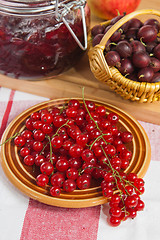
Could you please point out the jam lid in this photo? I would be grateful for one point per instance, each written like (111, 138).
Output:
(60, 8)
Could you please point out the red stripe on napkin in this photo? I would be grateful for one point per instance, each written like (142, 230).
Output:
(7, 112)
(55, 223)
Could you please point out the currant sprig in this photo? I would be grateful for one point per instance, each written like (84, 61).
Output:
(128, 201)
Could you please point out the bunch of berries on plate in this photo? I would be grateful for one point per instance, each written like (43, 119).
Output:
(77, 144)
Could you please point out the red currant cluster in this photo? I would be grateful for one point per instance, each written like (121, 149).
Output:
(134, 48)
(126, 201)
(77, 144)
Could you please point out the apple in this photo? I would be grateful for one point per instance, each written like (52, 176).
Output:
(108, 9)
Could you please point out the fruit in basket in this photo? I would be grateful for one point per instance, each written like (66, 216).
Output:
(113, 58)
(145, 74)
(147, 33)
(136, 54)
(107, 9)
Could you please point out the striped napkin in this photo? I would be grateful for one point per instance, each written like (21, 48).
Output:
(22, 218)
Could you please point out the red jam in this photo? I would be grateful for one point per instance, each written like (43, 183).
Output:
(37, 47)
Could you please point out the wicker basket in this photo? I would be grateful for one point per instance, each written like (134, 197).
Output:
(128, 89)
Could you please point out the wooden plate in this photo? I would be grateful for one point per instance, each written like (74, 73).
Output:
(23, 177)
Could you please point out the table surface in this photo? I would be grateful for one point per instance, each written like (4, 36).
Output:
(27, 219)
(69, 83)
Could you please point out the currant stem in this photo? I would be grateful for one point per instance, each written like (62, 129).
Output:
(50, 149)
(131, 184)
(114, 175)
(65, 124)
(44, 146)
(82, 171)
(89, 111)
(64, 106)
(9, 139)
(99, 137)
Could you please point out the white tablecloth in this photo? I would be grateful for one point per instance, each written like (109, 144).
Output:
(26, 219)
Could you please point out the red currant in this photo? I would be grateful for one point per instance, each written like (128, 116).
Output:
(24, 151)
(132, 213)
(29, 124)
(38, 135)
(101, 110)
(108, 177)
(75, 162)
(126, 137)
(132, 177)
(55, 191)
(19, 141)
(107, 192)
(79, 120)
(39, 159)
(57, 179)
(139, 182)
(57, 142)
(140, 205)
(46, 168)
(58, 120)
(115, 200)
(83, 182)
(42, 180)
(72, 173)
(131, 201)
(126, 154)
(114, 221)
(27, 134)
(110, 150)
(71, 112)
(55, 111)
(74, 103)
(89, 105)
(37, 124)
(67, 144)
(113, 118)
(82, 139)
(38, 146)
(75, 150)
(51, 158)
(87, 155)
(62, 164)
(47, 118)
(29, 160)
(115, 211)
(35, 116)
(69, 185)
(47, 128)
(73, 131)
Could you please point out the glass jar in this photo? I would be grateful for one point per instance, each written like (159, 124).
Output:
(41, 38)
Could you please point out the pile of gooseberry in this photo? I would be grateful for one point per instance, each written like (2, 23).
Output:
(134, 48)
(69, 147)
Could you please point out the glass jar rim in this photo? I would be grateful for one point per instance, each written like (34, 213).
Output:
(39, 7)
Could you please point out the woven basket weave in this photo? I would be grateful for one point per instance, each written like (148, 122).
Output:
(136, 91)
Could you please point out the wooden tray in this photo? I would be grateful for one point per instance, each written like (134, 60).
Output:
(24, 178)
(70, 83)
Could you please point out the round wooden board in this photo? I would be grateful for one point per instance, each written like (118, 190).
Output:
(23, 177)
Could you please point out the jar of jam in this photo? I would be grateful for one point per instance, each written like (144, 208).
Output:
(41, 38)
